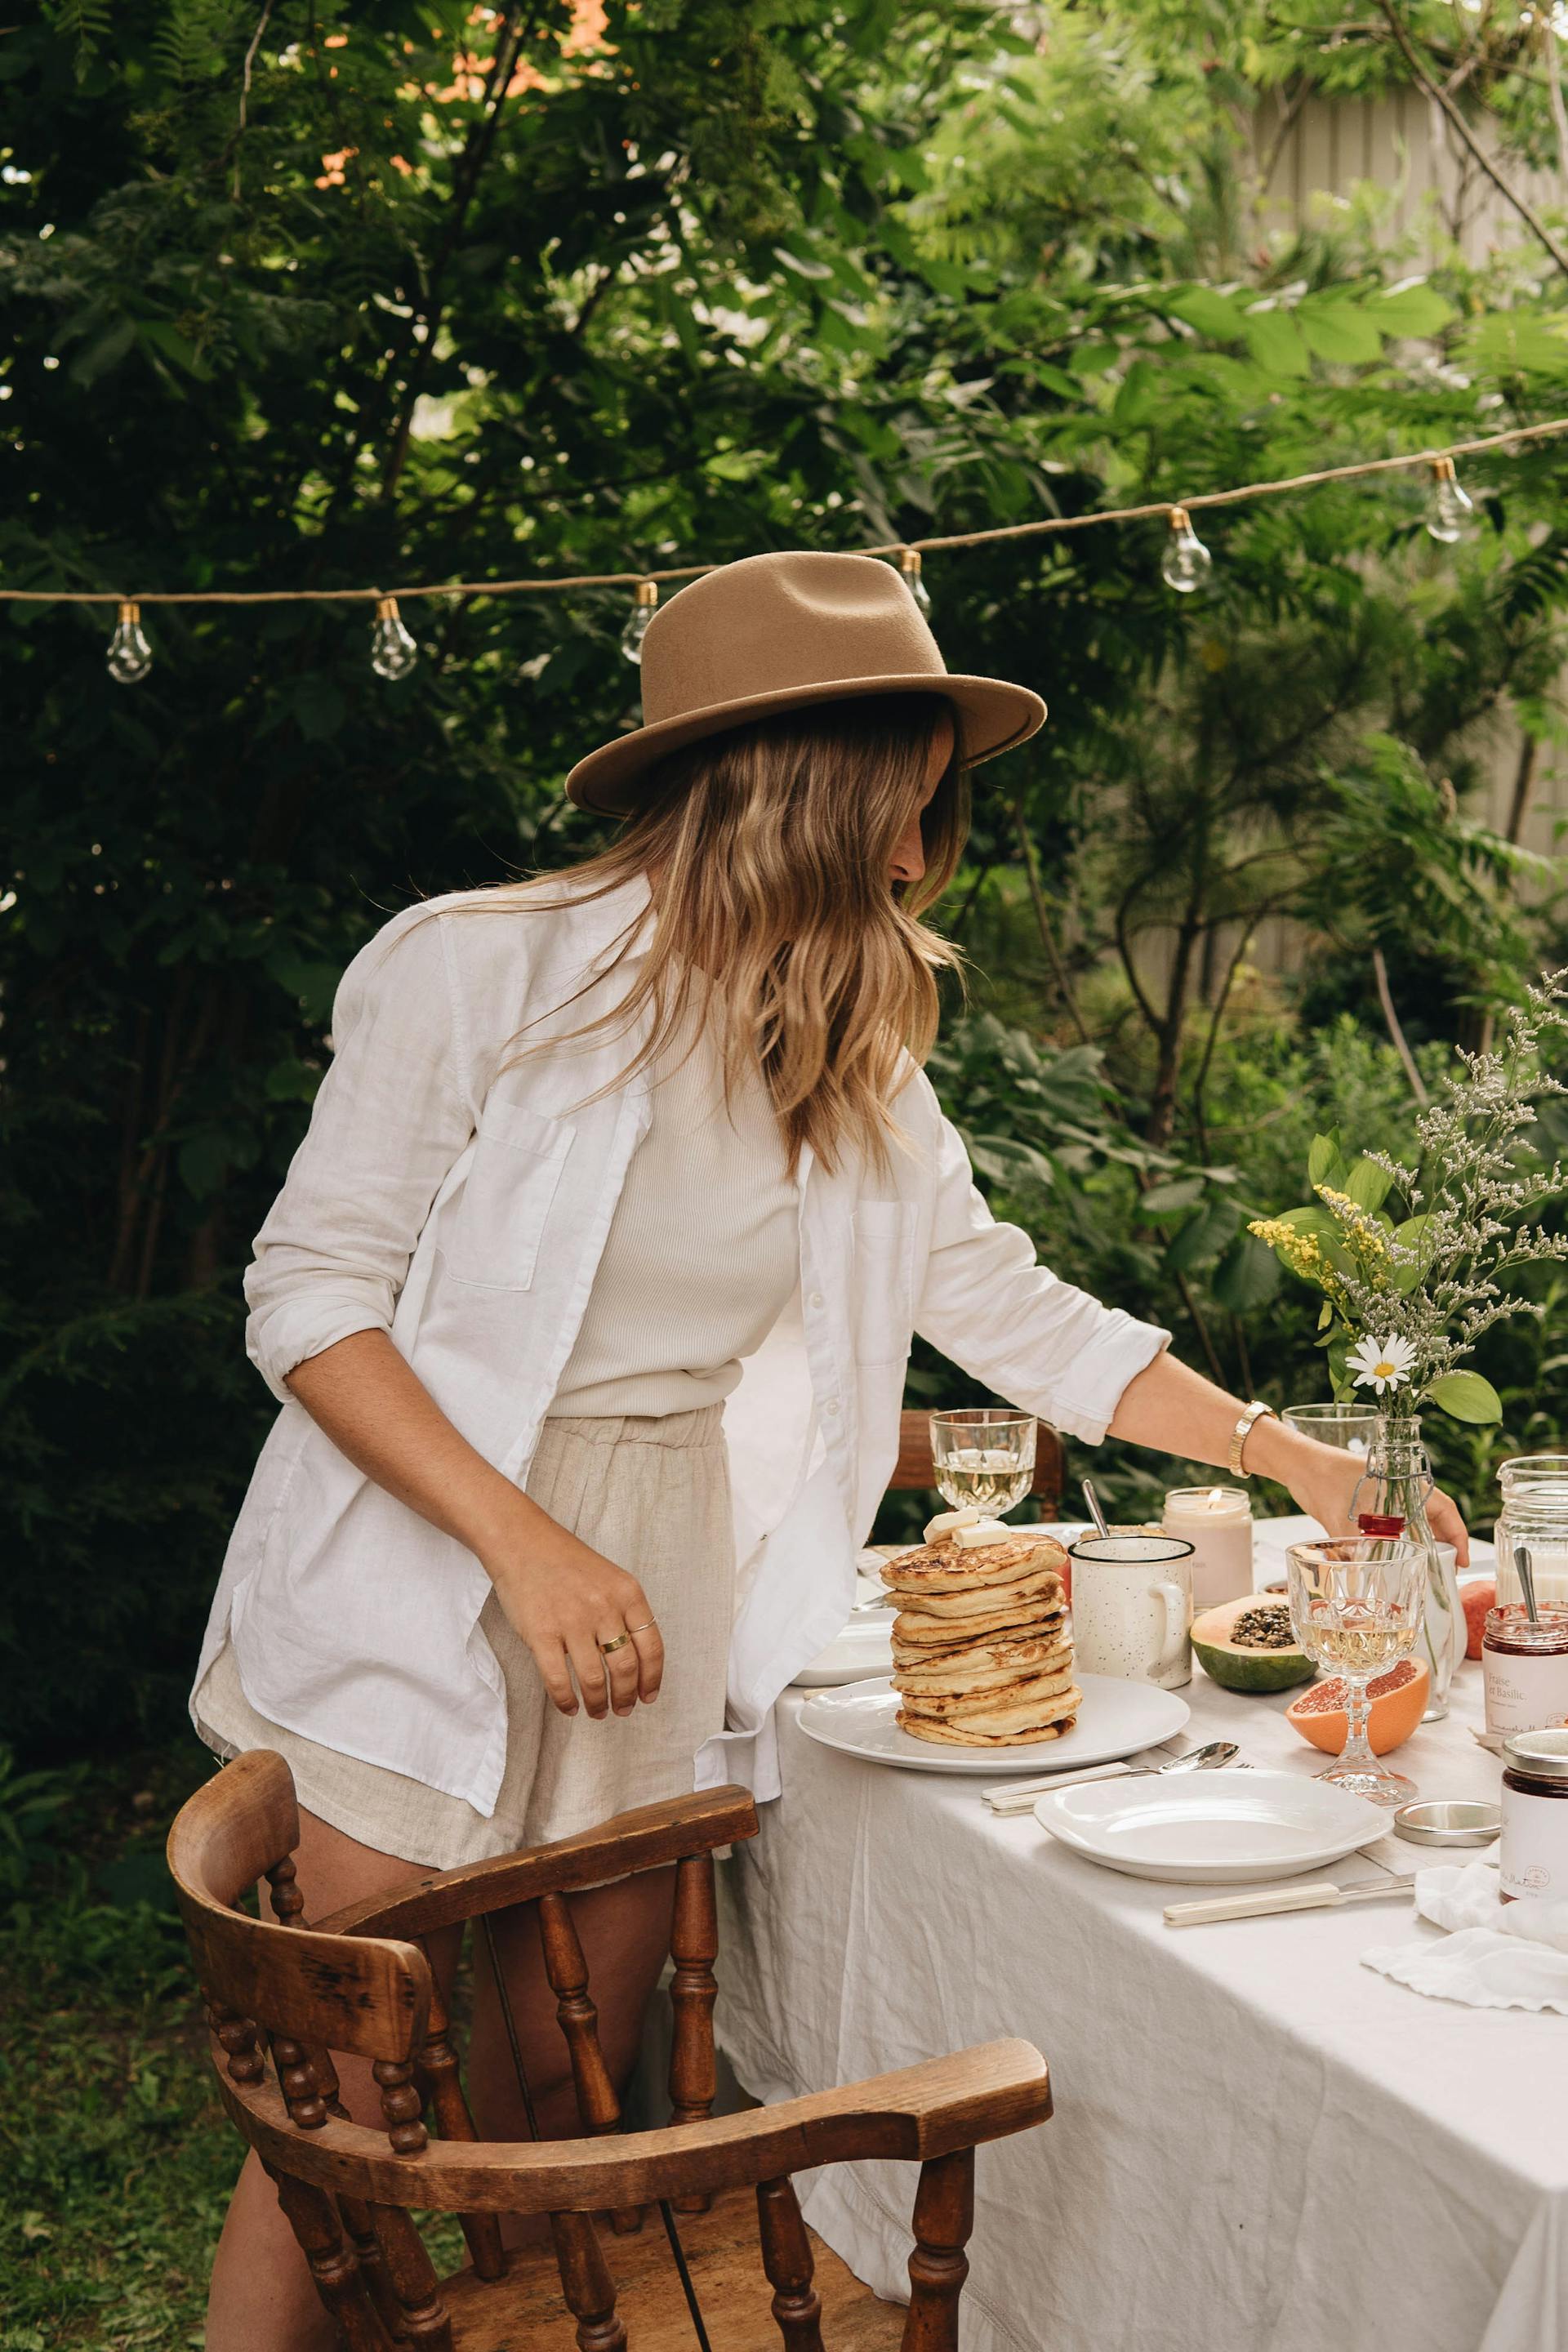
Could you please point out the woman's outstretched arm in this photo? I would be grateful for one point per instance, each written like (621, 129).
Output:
(1173, 1409)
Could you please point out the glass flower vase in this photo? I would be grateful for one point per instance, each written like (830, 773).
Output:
(1391, 1499)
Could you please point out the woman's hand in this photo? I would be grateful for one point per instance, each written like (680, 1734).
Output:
(1171, 1407)
(1322, 1479)
(565, 1601)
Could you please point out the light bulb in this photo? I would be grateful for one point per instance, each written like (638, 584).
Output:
(1186, 563)
(1451, 513)
(393, 652)
(129, 655)
(909, 565)
(641, 614)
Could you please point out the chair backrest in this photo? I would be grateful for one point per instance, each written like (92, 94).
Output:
(353, 1983)
(916, 1472)
(302, 1992)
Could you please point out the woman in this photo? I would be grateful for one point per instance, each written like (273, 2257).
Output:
(586, 1150)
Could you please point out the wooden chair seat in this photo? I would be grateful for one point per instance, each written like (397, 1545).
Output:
(526, 2311)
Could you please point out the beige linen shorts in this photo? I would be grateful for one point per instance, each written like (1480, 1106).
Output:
(651, 1493)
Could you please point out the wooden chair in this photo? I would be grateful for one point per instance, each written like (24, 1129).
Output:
(916, 1472)
(360, 1982)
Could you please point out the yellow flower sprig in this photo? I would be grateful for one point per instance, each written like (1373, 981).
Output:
(1367, 1237)
(1304, 1254)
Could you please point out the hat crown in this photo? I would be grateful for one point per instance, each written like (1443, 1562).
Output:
(772, 624)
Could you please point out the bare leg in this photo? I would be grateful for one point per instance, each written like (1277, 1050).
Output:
(261, 2297)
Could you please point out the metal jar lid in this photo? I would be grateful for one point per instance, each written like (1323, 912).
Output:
(1447, 1821)
(1539, 1755)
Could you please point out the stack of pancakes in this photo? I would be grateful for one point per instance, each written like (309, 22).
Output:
(982, 1654)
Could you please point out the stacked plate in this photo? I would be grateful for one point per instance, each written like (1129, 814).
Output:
(1117, 1718)
(1216, 1829)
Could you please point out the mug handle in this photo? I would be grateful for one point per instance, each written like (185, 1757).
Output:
(1174, 1602)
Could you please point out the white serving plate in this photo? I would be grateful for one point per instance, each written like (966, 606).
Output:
(864, 1647)
(1116, 1719)
(1212, 1828)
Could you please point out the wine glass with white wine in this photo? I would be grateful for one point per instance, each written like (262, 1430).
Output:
(1358, 1603)
(984, 1456)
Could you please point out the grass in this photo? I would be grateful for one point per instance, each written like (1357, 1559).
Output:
(117, 2158)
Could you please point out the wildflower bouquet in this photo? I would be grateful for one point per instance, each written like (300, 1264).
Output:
(1411, 1261)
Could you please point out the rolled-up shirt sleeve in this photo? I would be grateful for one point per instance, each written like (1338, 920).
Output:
(391, 1117)
(985, 1299)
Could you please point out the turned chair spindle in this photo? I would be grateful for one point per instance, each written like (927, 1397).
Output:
(566, 1971)
(454, 2120)
(694, 1947)
(944, 2216)
(786, 2258)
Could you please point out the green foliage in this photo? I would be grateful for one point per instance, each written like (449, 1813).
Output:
(1423, 1290)
(333, 298)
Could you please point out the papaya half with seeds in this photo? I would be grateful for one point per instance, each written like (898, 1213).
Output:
(1250, 1644)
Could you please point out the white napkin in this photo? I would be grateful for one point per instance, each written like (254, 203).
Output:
(1495, 1955)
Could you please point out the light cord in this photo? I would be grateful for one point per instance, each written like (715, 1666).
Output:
(1044, 526)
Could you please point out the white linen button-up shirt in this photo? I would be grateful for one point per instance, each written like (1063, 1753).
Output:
(454, 1193)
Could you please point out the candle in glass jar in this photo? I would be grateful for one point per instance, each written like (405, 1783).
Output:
(1217, 1522)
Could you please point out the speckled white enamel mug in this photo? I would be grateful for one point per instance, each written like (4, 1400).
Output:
(1133, 1608)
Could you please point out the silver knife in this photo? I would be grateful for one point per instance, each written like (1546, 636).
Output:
(1018, 1796)
(1266, 1899)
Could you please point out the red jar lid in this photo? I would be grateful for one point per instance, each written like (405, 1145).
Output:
(1380, 1523)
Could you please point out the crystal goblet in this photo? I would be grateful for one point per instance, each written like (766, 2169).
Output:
(983, 1457)
(1358, 1604)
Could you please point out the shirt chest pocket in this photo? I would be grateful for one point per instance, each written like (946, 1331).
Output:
(506, 1199)
(884, 1280)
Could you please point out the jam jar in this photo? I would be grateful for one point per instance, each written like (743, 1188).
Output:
(1534, 1856)
(1525, 1665)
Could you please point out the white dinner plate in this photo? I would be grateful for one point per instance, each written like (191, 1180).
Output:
(1209, 1828)
(864, 1647)
(1116, 1719)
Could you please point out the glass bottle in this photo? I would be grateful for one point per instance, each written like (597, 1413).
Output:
(1392, 1495)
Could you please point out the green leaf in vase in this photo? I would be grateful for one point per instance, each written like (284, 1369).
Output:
(1325, 1163)
(1467, 1396)
(1368, 1185)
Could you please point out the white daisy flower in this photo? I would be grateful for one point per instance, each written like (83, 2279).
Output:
(1381, 1363)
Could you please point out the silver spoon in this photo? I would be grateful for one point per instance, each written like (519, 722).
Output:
(1095, 1513)
(1016, 1797)
(1202, 1759)
(1526, 1568)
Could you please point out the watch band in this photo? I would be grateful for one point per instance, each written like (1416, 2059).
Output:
(1241, 1433)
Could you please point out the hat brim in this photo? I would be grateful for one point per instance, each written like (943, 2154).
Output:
(994, 715)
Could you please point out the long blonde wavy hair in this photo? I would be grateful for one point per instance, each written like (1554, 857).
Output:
(767, 851)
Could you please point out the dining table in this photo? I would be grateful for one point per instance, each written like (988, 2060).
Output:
(1258, 2144)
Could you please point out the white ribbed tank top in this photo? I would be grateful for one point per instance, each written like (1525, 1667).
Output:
(702, 1252)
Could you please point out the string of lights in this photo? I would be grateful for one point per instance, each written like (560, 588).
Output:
(1185, 566)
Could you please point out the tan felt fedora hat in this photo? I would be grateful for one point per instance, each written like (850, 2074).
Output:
(773, 632)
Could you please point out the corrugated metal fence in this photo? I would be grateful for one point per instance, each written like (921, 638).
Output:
(1438, 199)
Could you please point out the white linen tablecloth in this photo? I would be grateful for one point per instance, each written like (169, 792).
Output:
(1259, 2146)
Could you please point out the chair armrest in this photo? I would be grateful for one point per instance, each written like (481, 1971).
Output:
(981, 2093)
(639, 1840)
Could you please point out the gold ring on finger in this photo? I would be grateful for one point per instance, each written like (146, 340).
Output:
(642, 1629)
(618, 1643)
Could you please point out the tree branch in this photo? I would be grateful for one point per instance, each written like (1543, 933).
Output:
(1510, 196)
(1042, 917)
(1401, 1043)
(509, 40)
